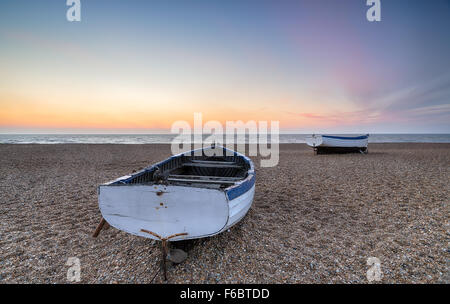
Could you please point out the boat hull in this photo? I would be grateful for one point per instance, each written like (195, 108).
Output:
(338, 142)
(239, 207)
(166, 209)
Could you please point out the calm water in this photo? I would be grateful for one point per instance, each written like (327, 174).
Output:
(167, 138)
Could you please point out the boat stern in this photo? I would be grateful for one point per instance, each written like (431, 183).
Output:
(314, 140)
(164, 210)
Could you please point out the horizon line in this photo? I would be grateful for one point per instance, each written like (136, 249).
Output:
(246, 133)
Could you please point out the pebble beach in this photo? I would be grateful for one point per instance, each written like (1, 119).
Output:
(314, 218)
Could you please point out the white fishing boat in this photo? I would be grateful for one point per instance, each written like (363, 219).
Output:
(195, 194)
(339, 144)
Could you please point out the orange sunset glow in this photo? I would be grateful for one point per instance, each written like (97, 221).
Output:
(311, 67)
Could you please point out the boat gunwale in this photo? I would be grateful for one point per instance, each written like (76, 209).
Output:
(346, 138)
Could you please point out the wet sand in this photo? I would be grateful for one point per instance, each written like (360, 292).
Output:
(314, 219)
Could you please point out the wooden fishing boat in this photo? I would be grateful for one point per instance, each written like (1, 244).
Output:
(195, 194)
(338, 144)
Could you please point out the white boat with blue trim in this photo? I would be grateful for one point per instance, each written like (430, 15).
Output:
(331, 143)
(191, 195)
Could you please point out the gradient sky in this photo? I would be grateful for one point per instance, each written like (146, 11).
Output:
(316, 66)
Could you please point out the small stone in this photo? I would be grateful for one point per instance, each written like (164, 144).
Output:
(177, 256)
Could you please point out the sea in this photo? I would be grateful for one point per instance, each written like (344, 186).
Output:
(168, 138)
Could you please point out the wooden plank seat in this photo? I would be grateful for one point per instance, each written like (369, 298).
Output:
(201, 177)
(212, 164)
(172, 179)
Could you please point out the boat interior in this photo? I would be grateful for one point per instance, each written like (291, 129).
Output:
(195, 170)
